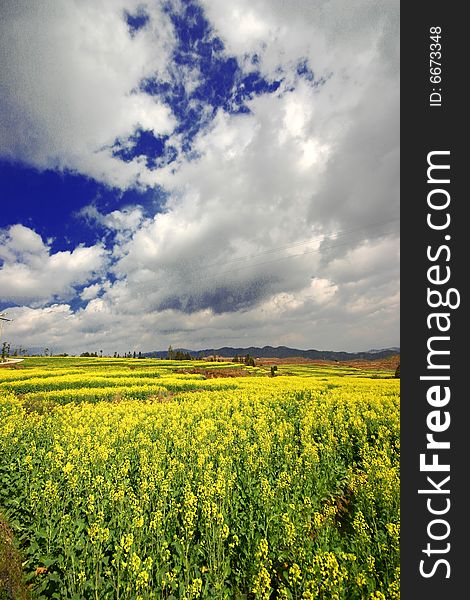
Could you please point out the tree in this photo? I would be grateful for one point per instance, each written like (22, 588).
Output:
(397, 371)
(171, 353)
(249, 361)
(273, 370)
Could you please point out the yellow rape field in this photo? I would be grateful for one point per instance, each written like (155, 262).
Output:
(139, 479)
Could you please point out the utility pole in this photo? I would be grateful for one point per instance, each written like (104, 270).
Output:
(3, 319)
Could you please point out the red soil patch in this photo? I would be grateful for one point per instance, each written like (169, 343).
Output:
(214, 373)
(389, 363)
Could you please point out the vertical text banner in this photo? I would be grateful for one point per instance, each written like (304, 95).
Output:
(435, 353)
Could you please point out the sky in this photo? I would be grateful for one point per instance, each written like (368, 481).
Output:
(199, 173)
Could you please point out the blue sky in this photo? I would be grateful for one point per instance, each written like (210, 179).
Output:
(192, 174)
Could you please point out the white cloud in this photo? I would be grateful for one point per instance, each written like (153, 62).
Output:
(245, 250)
(232, 236)
(119, 220)
(121, 223)
(31, 273)
(21, 241)
(91, 291)
(70, 77)
(333, 34)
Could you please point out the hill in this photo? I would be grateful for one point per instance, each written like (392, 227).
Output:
(283, 352)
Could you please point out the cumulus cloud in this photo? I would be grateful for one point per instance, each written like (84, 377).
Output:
(280, 320)
(249, 219)
(70, 84)
(127, 219)
(281, 226)
(91, 291)
(332, 34)
(118, 225)
(30, 273)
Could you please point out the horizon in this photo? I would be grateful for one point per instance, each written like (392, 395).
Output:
(36, 351)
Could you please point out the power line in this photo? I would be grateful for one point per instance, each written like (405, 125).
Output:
(320, 238)
(254, 265)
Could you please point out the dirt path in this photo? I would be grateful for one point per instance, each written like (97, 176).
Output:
(11, 361)
(388, 363)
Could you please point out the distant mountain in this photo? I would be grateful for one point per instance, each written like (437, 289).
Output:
(393, 349)
(282, 352)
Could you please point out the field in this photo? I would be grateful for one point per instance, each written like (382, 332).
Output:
(138, 479)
